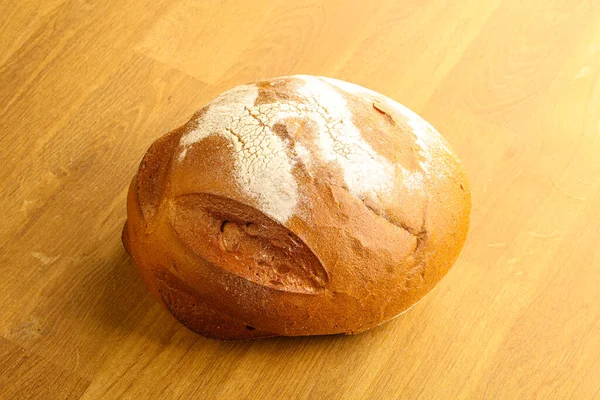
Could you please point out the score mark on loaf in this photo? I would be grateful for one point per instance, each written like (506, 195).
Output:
(293, 206)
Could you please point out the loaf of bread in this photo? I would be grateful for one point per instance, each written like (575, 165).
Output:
(298, 205)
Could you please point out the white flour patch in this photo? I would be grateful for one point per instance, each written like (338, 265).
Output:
(414, 181)
(263, 169)
(428, 138)
(303, 154)
(220, 113)
(365, 171)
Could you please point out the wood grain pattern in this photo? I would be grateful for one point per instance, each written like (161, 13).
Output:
(514, 87)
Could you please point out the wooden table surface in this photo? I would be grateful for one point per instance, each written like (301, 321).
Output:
(85, 87)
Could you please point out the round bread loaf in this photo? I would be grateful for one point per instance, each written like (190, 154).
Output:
(298, 205)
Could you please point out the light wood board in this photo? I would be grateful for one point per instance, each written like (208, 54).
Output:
(86, 86)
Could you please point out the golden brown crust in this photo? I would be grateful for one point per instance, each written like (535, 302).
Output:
(364, 212)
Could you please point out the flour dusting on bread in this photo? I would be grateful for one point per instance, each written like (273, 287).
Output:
(428, 140)
(263, 168)
(265, 160)
(366, 173)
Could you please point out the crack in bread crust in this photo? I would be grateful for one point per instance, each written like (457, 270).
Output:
(247, 243)
(420, 236)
